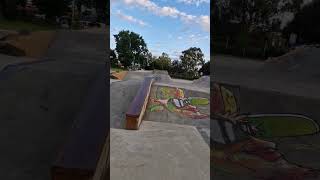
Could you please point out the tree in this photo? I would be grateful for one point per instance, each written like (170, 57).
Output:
(102, 7)
(113, 58)
(3, 7)
(149, 61)
(131, 48)
(52, 8)
(292, 6)
(305, 24)
(176, 67)
(8, 8)
(205, 69)
(191, 59)
(80, 3)
(163, 62)
(254, 14)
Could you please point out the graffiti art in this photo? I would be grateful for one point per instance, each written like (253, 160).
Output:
(244, 149)
(174, 100)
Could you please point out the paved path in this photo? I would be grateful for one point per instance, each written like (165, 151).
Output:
(39, 102)
(77, 46)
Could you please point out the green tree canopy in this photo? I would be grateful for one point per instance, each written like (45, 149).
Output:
(253, 15)
(205, 69)
(102, 7)
(131, 48)
(191, 59)
(306, 23)
(52, 8)
(176, 67)
(163, 62)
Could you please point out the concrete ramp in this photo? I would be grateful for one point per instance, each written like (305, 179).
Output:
(121, 95)
(204, 81)
(159, 151)
(300, 61)
(137, 75)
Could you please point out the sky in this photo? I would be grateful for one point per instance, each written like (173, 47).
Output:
(169, 26)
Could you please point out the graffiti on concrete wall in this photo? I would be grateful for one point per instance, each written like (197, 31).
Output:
(245, 142)
(174, 100)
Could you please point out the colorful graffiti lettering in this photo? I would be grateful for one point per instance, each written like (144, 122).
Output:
(174, 100)
(248, 154)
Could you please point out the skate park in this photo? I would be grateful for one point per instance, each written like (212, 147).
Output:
(286, 85)
(155, 141)
(53, 110)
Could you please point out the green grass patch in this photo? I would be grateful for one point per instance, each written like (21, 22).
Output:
(117, 69)
(25, 25)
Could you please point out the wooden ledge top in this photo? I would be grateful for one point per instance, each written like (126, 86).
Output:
(138, 105)
(138, 102)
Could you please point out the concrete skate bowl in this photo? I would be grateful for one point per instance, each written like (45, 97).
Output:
(159, 76)
(162, 76)
(171, 105)
(204, 81)
(137, 75)
(156, 128)
(180, 106)
(300, 61)
(262, 103)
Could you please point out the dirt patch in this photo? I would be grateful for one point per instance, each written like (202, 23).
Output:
(34, 45)
(119, 75)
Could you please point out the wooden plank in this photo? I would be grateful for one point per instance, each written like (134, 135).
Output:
(138, 106)
(82, 151)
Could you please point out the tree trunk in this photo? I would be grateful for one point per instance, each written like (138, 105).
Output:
(227, 45)
(243, 52)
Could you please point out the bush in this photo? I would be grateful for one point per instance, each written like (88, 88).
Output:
(254, 47)
(205, 69)
(185, 75)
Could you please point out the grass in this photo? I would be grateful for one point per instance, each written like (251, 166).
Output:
(24, 25)
(117, 69)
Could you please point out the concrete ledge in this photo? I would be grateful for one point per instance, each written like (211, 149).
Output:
(84, 154)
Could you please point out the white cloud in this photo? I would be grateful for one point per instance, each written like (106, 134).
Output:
(179, 37)
(169, 11)
(196, 2)
(130, 18)
(193, 39)
(203, 21)
(187, 17)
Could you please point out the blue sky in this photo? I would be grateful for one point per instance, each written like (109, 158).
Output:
(169, 26)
